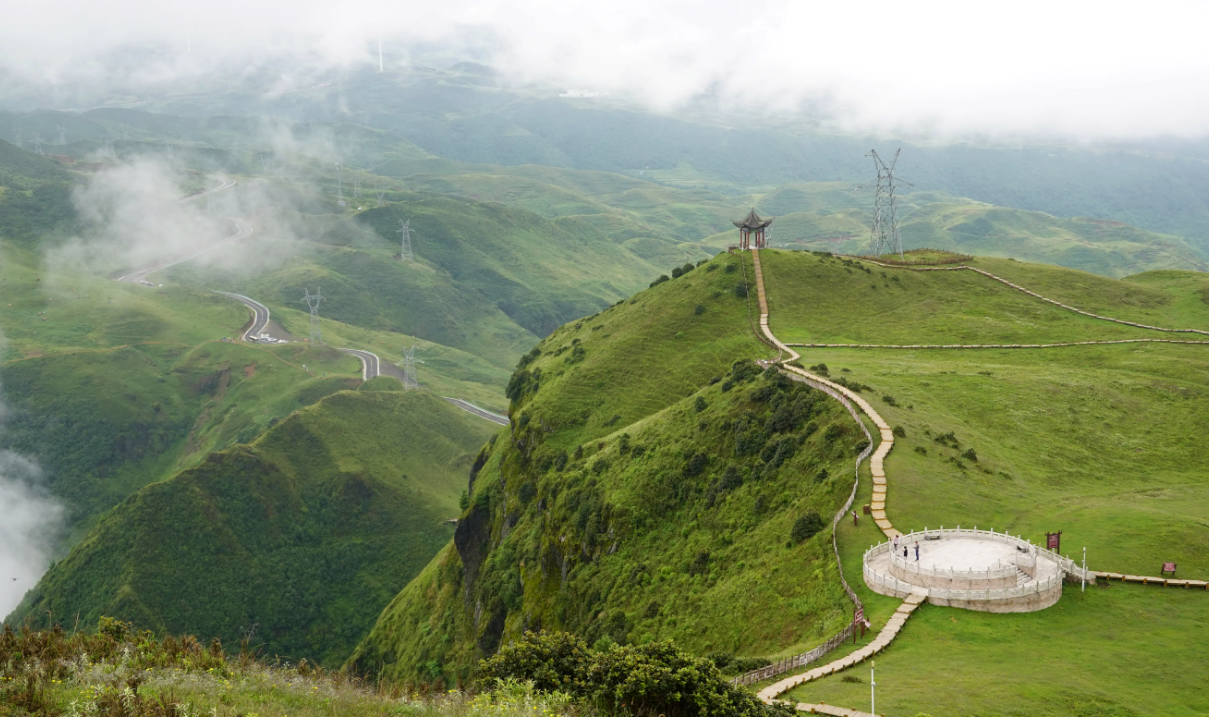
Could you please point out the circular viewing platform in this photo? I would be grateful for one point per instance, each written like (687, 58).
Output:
(969, 568)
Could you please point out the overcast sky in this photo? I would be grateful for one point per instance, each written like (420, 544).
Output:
(1082, 69)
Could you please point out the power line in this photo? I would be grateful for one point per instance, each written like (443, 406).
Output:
(312, 302)
(885, 238)
(405, 253)
(408, 364)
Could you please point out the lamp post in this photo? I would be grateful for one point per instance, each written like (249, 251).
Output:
(1083, 586)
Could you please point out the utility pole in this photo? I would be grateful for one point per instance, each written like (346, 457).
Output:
(885, 237)
(408, 364)
(405, 254)
(312, 303)
(1083, 586)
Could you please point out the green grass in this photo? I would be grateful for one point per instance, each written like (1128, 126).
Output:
(1102, 443)
(301, 537)
(819, 299)
(622, 517)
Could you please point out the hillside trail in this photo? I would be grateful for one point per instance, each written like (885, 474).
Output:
(877, 507)
(877, 468)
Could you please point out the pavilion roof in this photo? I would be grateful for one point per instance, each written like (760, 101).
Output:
(752, 221)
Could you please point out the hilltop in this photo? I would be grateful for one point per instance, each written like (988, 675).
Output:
(295, 541)
(568, 529)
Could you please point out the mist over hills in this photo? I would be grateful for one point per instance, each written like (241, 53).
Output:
(570, 270)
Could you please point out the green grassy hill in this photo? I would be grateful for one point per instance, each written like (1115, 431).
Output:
(299, 538)
(649, 491)
(1101, 442)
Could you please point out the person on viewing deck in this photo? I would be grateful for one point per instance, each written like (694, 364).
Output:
(917, 551)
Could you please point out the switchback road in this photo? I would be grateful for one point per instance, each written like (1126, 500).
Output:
(260, 314)
(480, 412)
(371, 367)
(241, 230)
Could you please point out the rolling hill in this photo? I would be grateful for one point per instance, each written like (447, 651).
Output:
(1098, 441)
(295, 541)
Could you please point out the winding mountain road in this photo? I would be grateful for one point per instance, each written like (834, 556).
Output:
(260, 314)
(480, 412)
(241, 230)
(371, 367)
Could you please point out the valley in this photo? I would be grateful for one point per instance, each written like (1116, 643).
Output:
(622, 429)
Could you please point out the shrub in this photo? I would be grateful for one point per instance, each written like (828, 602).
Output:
(820, 369)
(464, 501)
(700, 404)
(700, 564)
(806, 527)
(890, 400)
(700, 309)
(921, 450)
(677, 272)
(970, 455)
(560, 461)
(695, 465)
(740, 291)
(900, 431)
(730, 268)
(662, 278)
(731, 478)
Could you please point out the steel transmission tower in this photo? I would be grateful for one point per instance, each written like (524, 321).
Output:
(885, 238)
(17, 132)
(38, 144)
(339, 185)
(405, 254)
(408, 364)
(381, 198)
(62, 135)
(312, 303)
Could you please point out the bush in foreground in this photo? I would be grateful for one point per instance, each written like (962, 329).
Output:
(117, 672)
(652, 679)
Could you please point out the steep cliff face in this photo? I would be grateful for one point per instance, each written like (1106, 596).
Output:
(647, 489)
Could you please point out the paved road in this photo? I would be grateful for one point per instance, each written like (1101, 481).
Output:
(241, 230)
(140, 277)
(226, 184)
(370, 365)
(260, 314)
(480, 412)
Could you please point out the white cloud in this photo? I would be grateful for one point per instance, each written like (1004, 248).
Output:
(1076, 68)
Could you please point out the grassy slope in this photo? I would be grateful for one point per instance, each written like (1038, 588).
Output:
(302, 536)
(830, 216)
(627, 529)
(1102, 443)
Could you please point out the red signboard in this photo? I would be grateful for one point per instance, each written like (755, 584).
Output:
(860, 611)
(1053, 541)
(1168, 568)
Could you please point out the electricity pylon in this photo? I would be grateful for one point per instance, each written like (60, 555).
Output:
(312, 303)
(381, 198)
(405, 254)
(62, 135)
(408, 364)
(885, 238)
